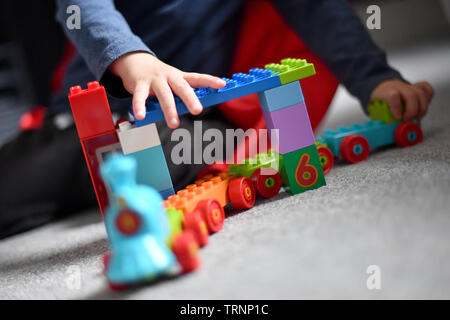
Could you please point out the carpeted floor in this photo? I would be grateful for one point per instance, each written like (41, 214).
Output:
(391, 211)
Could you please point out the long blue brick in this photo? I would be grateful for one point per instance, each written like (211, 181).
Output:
(377, 134)
(239, 86)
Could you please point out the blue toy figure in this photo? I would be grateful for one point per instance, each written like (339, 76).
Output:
(136, 223)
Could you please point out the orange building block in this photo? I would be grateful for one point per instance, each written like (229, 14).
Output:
(209, 187)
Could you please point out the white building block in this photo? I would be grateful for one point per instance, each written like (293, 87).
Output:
(134, 139)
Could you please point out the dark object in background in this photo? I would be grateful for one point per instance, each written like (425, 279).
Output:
(32, 27)
(43, 178)
(31, 46)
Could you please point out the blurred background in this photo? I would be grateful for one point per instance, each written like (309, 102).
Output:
(32, 45)
(416, 36)
(391, 210)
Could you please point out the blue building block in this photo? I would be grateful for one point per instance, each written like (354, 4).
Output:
(137, 225)
(376, 132)
(152, 169)
(281, 97)
(240, 85)
(166, 193)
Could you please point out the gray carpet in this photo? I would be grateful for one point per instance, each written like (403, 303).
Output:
(391, 211)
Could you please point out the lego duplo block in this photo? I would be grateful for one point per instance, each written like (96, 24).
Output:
(271, 159)
(209, 187)
(240, 85)
(292, 69)
(302, 170)
(379, 110)
(95, 149)
(281, 97)
(152, 169)
(376, 132)
(134, 139)
(295, 131)
(90, 110)
(166, 193)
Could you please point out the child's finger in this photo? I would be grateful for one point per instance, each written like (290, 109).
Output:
(198, 80)
(423, 99)
(394, 100)
(185, 92)
(427, 88)
(165, 97)
(140, 95)
(412, 103)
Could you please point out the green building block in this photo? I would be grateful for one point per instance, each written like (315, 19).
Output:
(291, 69)
(175, 218)
(379, 110)
(302, 170)
(262, 160)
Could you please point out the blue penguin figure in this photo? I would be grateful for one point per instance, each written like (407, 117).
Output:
(136, 223)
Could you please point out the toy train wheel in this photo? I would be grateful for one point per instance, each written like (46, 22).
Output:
(354, 148)
(408, 134)
(118, 286)
(195, 222)
(185, 248)
(267, 182)
(105, 260)
(326, 158)
(241, 193)
(213, 214)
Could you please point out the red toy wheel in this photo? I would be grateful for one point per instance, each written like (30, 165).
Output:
(185, 248)
(267, 182)
(354, 148)
(326, 158)
(408, 134)
(194, 221)
(118, 286)
(212, 213)
(105, 259)
(241, 193)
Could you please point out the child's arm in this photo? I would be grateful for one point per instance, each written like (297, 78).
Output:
(107, 44)
(335, 33)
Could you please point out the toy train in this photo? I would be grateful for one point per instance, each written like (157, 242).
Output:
(147, 234)
(354, 143)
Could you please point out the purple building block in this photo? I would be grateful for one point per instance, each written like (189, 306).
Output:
(294, 127)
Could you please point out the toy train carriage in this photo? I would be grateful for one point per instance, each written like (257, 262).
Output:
(354, 143)
(145, 238)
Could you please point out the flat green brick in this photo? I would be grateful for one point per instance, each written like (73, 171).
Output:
(290, 69)
(298, 181)
(379, 110)
(262, 160)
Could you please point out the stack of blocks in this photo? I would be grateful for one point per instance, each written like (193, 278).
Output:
(99, 137)
(283, 107)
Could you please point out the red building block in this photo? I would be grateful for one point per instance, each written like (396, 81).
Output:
(96, 131)
(95, 149)
(91, 111)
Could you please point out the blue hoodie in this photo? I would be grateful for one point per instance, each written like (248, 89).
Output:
(200, 36)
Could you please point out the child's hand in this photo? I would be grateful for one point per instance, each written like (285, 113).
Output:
(416, 98)
(143, 74)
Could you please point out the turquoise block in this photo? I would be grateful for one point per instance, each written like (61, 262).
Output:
(281, 97)
(377, 134)
(152, 168)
